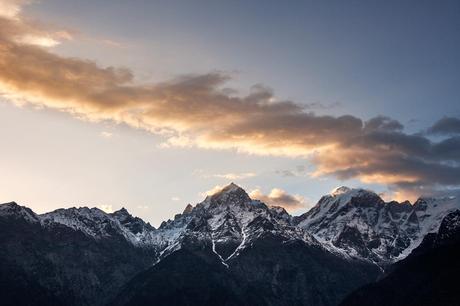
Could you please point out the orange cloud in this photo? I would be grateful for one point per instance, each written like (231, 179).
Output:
(279, 197)
(196, 110)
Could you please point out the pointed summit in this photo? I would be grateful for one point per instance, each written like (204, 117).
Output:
(134, 224)
(231, 193)
(14, 210)
(122, 211)
(188, 209)
(231, 188)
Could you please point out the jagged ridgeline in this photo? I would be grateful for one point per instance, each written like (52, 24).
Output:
(227, 250)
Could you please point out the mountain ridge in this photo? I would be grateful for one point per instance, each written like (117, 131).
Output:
(352, 222)
(85, 256)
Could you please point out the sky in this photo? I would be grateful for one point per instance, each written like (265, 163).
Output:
(150, 105)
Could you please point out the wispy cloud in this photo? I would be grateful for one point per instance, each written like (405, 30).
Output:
(106, 134)
(235, 176)
(197, 110)
(300, 170)
(229, 176)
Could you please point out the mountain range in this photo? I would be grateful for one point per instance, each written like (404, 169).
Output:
(232, 250)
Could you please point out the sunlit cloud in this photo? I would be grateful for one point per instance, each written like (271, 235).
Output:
(200, 111)
(212, 191)
(281, 198)
(106, 134)
(106, 208)
(43, 41)
(111, 43)
(11, 8)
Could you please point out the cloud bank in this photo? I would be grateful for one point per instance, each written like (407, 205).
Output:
(197, 110)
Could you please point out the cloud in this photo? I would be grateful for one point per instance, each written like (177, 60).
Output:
(175, 199)
(300, 170)
(393, 158)
(212, 191)
(286, 172)
(235, 176)
(199, 111)
(279, 197)
(106, 208)
(106, 134)
(10, 8)
(446, 126)
(382, 123)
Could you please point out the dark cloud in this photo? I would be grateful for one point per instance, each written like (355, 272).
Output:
(395, 159)
(446, 126)
(382, 123)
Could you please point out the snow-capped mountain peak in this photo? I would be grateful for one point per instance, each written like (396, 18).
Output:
(340, 190)
(354, 222)
(98, 224)
(228, 222)
(15, 211)
(346, 194)
(359, 223)
(232, 187)
(231, 194)
(134, 224)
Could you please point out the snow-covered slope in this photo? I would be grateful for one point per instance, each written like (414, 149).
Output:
(98, 224)
(226, 223)
(13, 210)
(359, 223)
(229, 221)
(355, 223)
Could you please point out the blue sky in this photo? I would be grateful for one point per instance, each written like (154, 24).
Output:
(360, 58)
(372, 57)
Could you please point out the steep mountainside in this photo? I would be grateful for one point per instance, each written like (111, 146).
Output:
(428, 276)
(63, 265)
(232, 250)
(229, 221)
(271, 270)
(236, 248)
(358, 223)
